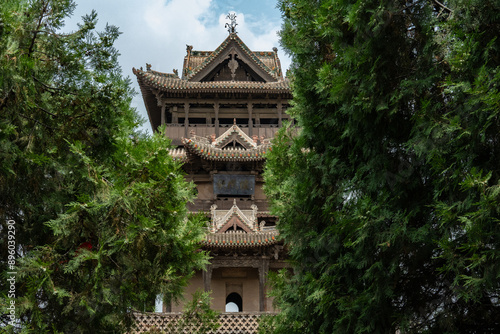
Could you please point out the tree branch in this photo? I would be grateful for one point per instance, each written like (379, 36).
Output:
(53, 88)
(3, 101)
(36, 121)
(46, 111)
(442, 6)
(32, 45)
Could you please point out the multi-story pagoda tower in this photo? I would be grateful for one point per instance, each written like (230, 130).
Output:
(221, 114)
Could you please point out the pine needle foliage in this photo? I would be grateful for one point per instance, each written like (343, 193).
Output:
(388, 196)
(99, 209)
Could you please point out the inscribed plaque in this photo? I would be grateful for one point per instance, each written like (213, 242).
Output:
(234, 185)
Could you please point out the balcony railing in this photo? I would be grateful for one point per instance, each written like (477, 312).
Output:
(177, 131)
(224, 203)
(231, 323)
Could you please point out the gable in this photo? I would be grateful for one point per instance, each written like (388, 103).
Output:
(231, 61)
(234, 219)
(233, 68)
(234, 224)
(234, 134)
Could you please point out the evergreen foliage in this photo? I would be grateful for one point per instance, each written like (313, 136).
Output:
(99, 210)
(389, 195)
(197, 316)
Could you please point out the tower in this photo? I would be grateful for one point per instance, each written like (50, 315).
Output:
(221, 115)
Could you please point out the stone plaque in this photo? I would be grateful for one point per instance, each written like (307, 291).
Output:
(234, 185)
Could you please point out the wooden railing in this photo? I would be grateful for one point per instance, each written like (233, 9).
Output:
(231, 323)
(177, 131)
(224, 203)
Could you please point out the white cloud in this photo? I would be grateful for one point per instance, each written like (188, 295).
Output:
(157, 31)
(177, 19)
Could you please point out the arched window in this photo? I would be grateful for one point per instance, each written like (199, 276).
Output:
(234, 303)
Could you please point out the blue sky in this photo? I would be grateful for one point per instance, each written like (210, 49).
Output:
(157, 31)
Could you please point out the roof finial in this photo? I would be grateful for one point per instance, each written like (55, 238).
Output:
(231, 27)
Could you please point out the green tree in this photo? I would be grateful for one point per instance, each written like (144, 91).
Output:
(197, 316)
(388, 197)
(99, 209)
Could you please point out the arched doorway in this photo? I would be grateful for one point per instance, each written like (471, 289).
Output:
(234, 303)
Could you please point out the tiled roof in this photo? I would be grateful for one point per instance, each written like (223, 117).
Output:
(209, 152)
(164, 75)
(198, 60)
(178, 154)
(241, 239)
(169, 82)
(202, 147)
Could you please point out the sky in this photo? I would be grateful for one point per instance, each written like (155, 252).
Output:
(157, 31)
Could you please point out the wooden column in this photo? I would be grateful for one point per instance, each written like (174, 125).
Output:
(167, 306)
(186, 119)
(263, 271)
(216, 111)
(175, 115)
(207, 277)
(163, 113)
(250, 121)
(280, 112)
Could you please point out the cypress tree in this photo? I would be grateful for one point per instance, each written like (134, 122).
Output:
(99, 210)
(388, 195)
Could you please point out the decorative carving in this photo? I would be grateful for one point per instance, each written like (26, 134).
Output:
(262, 224)
(254, 216)
(214, 217)
(223, 223)
(231, 27)
(233, 65)
(250, 262)
(148, 67)
(276, 251)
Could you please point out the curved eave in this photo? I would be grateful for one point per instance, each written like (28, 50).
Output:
(240, 239)
(208, 152)
(149, 99)
(175, 85)
(178, 154)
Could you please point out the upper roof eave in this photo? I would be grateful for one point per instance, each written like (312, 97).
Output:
(209, 152)
(168, 83)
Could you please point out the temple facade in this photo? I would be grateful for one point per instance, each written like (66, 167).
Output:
(221, 113)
